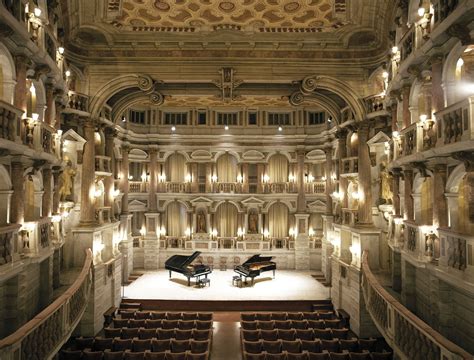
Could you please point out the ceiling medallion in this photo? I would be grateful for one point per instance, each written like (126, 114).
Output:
(226, 6)
(161, 5)
(292, 6)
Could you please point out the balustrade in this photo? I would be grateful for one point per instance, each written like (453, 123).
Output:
(8, 243)
(412, 235)
(455, 250)
(409, 139)
(42, 336)
(10, 121)
(102, 164)
(411, 337)
(137, 187)
(350, 165)
(454, 123)
(229, 188)
(174, 187)
(375, 103)
(443, 8)
(350, 216)
(77, 101)
(102, 214)
(407, 43)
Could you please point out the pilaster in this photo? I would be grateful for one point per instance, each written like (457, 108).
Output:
(302, 242)
(151, 242)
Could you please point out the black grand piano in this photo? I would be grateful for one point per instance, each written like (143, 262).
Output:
(182, 264)
(254, 266)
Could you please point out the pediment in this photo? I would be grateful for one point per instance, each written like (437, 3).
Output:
(138, 154)
(71, 135)
(252, 201)
(201, 155)
(316, 155)
(317, 205)
(253, 155)
(136, 205)
(379, 138)
(201, 200)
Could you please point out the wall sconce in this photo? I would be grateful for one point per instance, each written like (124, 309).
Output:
(421, 11)
(130, 177)
(56, 218)
(337, 195)
(266, 233)
(188, 178)
(142, 231)
(214, 178)
(214, 233)
(323, 178)
(266, 178)
(115, 193)
(162, 231)
(395, 134)
(162, 177)
(395, 50)
(240, 178)
(356, 195)
(310, 178)
(98, 192)
(67, 73)
(60, 50)
(35, 117)
(291, 178)
(240, 232)
(143, 177)
(333, 177)
(187, 232)
(311, 232)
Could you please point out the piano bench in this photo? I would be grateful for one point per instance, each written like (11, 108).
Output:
(204, 282)
(237, 281)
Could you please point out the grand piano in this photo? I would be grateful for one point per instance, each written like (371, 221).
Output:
(182, 264)
(254, 266)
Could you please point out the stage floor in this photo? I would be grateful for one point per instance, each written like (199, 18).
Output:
(287, 285)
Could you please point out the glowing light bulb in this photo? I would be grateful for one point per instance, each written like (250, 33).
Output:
(173, 128)
(68, 73)
(385, 74)
(35, 116)
(37, 12)
(61, 50)
(280, 128)
(421, 11)
(460, 63)
(226, 127)
(396, 134)
(394, 50)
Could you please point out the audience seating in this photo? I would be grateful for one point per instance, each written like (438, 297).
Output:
(318, 335)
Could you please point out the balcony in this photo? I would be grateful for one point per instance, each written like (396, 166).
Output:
(9, 243)
(375, 106)
(102, 165)
(103, 214)
(315, 187)
(350, 166)
(402, 329)
(50, 329)
(10, 121)
(137, 187)
(455, 253)
(227, 188)
(279, 188)
(442, 9)
(455, 123)
(77, 102)
(179, 188)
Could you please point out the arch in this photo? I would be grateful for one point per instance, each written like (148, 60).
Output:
(112, 87)
(449, 81)
(455, 178)
(270, 203)
(278, 220)
(176, 168)
(226, 168)
(181, 152)
(276, 152)
(176, 218)
(5, 180)
(278, 168)
(7, 75)
(230, 152)
(326, 103)
(237, 205)
(226, 219)
(338, 87)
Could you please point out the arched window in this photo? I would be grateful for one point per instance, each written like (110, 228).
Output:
(176, 219)
(278, 215)
(227, 168)
(226, 220)
(176, 168)
(278, 169)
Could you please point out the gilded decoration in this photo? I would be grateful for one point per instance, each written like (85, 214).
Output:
(242, 15)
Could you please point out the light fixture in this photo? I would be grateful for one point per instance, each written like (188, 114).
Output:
(394, 50)
(35, 116)
(187, 178)
(61, 50)
(460, 63)
(124, 119)
(266, 178)
(98, 192)
(214, 232)
(421, 11)
(116, 193)
(356, 195)
(56, 218)
(280, 128)
(173, 128)
(68, 73)
(37, 12)
(163, 231)
(214, 178)
(291, 177)
(143, 177)
(323, 178)
(187, 232)
(311, 232)
(239, 178)
(310, 178)
(396, 134)
(423, 118)
(266, 233)
(385, 74)
(130, 177)
(226, 127)
(32, 89)
(329, 119)
(142, 232)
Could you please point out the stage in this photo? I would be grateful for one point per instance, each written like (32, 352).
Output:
(289, 286)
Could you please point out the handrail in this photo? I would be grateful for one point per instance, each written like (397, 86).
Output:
(398, 309)
(62, 311)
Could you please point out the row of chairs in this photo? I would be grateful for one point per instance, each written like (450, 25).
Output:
(293, 334)
(126, 355)
(315, 346)
(314, 315)
(292, 324)
(161, 315)
(163, 324)
(139, 345)
(319, 356)
(162, 334)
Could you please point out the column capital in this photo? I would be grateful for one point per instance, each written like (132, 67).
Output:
(436, 59)
(341, 133)
(396, 95)
(125, 147)
(110, 132)
(396, 171)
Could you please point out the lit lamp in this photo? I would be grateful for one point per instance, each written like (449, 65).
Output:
(240, 179)
(187, 178)
(266, 178)
(291, 178)
(214, 178)
(214, 233)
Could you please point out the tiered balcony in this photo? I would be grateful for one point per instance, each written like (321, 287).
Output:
(279, 188)
(228, 188)
(9, 251)
(375, 106)
(77, 102)
(10, 121)
(402, 329)
(50, 329)
(315, 187)
(137, 186)
(455, 256)
(455, 123)
(102, 165)
(173, 187)
(350, 166)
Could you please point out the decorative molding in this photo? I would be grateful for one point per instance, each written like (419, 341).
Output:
(227, 84)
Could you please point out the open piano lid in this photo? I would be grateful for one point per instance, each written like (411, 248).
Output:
(182, 261)
(257, 258)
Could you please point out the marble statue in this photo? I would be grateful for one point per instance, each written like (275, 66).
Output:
(67, 177)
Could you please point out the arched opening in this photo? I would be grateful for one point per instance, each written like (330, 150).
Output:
(175, 168)
(5, 195)
(176, 219)
(278, 215)
(227, 220)
(278, 168)
(423, 200)
(33, 197)
(7, 75)
(458, 74)
(227, 168)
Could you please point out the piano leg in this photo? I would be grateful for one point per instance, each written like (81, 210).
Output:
(170, 274)
(274, 273)
(189, 281)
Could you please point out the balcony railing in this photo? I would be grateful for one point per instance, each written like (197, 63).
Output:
(77, 101)
(407, 43)
(8, 243)
(103, 214)
(228, 188)
(412, 236)
(455, 122)
(350, 165)
(409, 140)
(442, 9)
(315, 187)
(375, 104)
(174, 187)
(102, 164)
(455, 250)
(402, 330)
(279, 187)
(10, 121)
(137, 187)
(49, 330)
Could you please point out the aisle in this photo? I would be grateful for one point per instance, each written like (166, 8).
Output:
(226, 339)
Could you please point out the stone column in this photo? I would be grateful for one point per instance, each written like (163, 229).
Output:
(109, 180)
(409, 211)
(208, 177)
(394, 113)
(194, 178)
(21, 66)
(47, 192)
(125, 174)
(18, 197)
(88, 175)
(396, 173)
(365, 179)
(437, 93)
(329, 184)
(406, 105)
(301, 205)
(57, 114)
(341, 136)
(152, 203)
(56, 174)
(440, 205)
(49, 115)
(245, 177)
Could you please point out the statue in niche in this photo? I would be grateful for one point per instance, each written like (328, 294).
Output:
(386, 195)
(66, 179)
(201, 222)
(253, 223)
